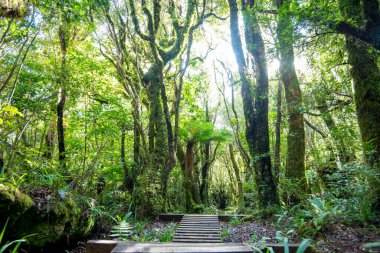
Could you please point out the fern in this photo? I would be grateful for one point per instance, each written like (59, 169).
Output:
(122, 230)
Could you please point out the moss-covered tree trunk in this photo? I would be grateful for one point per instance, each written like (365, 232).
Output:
(157, 134)
(295, 156)
(191, 190)
(203, 189)
(265, 182)
(238, 178)
(255, 111)
(366, 78)
(49, 141)
(277, 145)
(62, 32)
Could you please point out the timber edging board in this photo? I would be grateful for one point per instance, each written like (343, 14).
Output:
(182, 248)
(178, 217)
(100, 246)
(111, 246)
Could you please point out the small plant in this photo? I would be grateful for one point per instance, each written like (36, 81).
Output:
(285, 240)
(123, 229)
(318, 214)
(17, 243)
(166, 234)
(235, 220)
(224, 233)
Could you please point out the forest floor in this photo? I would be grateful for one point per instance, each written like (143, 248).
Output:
(334, 238)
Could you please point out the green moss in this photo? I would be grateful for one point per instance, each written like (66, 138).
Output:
(13, 202)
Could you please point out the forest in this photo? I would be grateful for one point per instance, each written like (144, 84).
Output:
(115, 111)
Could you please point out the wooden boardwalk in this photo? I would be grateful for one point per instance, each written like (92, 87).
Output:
(198, 229)
(195, 233)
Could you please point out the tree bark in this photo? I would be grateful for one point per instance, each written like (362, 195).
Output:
(206, 165)
(128, 178)
(237, 175)
(62, 95)
(265, 182)
(295, 156)
(49, 141)
(277, 148)
(366, 78)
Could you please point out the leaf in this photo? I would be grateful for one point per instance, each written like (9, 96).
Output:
(12, 110)
(372, 245)
(3, 231)
(303, 246)
(2, 249)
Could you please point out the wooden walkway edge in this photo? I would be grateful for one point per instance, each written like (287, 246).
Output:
(182, 248)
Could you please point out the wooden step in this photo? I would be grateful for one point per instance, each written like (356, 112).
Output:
(198, 232)
(198, 229)
(184, 240)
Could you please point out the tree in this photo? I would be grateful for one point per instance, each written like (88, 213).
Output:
(366, 77)
(255, 110)
(202, 132)
(295, 156)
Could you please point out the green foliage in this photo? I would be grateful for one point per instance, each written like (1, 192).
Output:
(167, 233)
(235, 220)
(204, 131)
(7, 247)
(224, 233)
(143, 234)
(122, 230)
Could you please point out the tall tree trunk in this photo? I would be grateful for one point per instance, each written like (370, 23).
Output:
(277, 147)
(295, 156)
(366, 77)
(128, 173)
(2, 162)
(62, 95)
(49, 141)
(265, 182)
(237, 175)
(192, 193)
(206, 165)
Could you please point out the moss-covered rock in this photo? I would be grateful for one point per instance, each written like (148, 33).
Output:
(45, 214)
(26, 218)
(13, 202)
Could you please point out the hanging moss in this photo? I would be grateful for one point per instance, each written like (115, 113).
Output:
(13, 8)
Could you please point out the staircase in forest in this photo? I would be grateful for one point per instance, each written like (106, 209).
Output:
(195, 234)
(198, 229)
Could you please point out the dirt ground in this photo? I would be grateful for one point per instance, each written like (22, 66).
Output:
(335, 238)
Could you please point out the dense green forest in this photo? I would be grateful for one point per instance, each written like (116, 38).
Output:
(113, 111)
